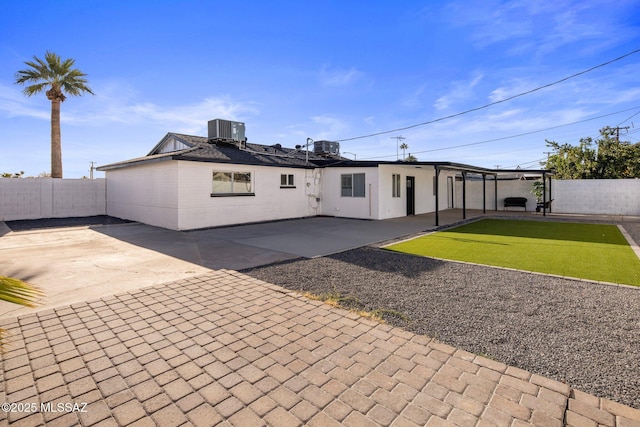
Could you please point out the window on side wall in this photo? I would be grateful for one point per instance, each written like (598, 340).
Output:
(395, 185)
(352, 185)
(232, 184)
(287, 181)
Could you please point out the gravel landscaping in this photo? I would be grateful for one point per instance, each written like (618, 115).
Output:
(581, 333)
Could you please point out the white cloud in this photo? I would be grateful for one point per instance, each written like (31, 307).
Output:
(330, 127)
(15, 104)
(339, 77)
(414, 99)
(460, 92)
(118, 104)
(370, 120)
(189, 118)
(514, 87)
(539, 26)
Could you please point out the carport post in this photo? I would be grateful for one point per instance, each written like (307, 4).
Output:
(544, 194)
(484, 193)
(495, 185)
(550, 195)
(437, 191)
(464, 195)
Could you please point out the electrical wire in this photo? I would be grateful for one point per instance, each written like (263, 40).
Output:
(630, 117)
(507, 137)
(526, 163)
(492, 103)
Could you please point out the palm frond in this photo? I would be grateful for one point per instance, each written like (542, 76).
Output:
(52, 71)
(19, 292)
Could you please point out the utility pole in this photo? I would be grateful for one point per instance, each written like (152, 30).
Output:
(91, 170)
(617, 129)
(398, 139)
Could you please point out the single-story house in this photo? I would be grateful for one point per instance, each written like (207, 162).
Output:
(189, 182)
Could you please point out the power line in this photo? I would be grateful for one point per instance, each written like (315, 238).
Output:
(492, 103)
(630, 117)
(511, 136)
(526, 163)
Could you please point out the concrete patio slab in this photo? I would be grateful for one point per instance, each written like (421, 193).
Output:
(76, 263)
(318, 236)
(227, 349)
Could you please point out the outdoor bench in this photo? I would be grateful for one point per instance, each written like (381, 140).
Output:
(520, 202)
(544, 205)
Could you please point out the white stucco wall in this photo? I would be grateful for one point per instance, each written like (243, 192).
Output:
(177, 195)
(597, 196)
(333, 204)
(34, 198)
(442, 191)
(146, 193)
(425, 202)
(198, 209)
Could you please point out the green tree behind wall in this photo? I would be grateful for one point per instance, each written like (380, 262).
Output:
(605, 158)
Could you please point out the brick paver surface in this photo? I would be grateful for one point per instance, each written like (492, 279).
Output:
(231, 350)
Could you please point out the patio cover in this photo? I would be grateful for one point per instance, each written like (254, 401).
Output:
(495, 173)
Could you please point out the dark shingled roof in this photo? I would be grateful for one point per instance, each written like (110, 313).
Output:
(202, 150)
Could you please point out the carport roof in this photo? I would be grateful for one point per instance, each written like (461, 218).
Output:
(453, 166)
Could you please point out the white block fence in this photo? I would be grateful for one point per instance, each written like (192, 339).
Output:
(574, 196)
(597, 196)
(34, 198)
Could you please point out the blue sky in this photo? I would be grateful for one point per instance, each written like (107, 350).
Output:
(326, 70)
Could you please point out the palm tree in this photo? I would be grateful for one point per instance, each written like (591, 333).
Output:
(17, 292)
(403, 147)
(59, 78)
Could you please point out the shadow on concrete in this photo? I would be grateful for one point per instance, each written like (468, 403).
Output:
(202, 248)
(4, 229)
(43, 223)
(251, 245)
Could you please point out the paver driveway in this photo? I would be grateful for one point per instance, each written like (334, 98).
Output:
(228, 349)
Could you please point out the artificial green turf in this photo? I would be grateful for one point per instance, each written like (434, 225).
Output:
(588, 251)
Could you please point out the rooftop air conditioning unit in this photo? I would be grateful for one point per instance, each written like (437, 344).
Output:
(225, 130)
(326, 148)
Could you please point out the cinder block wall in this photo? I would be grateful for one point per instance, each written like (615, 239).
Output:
(506, 188)
(33, 198)
(597, 196)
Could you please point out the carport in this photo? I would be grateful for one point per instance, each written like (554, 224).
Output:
(466, 170)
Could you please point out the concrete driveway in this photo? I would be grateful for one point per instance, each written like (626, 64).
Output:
(78, 263)
(204, 347)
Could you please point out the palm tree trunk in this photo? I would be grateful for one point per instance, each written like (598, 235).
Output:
(56, 143)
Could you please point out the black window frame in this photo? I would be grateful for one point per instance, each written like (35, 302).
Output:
(353, 185)
(287, 180)
(234, 183)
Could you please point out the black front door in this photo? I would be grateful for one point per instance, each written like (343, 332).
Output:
(411, 195)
